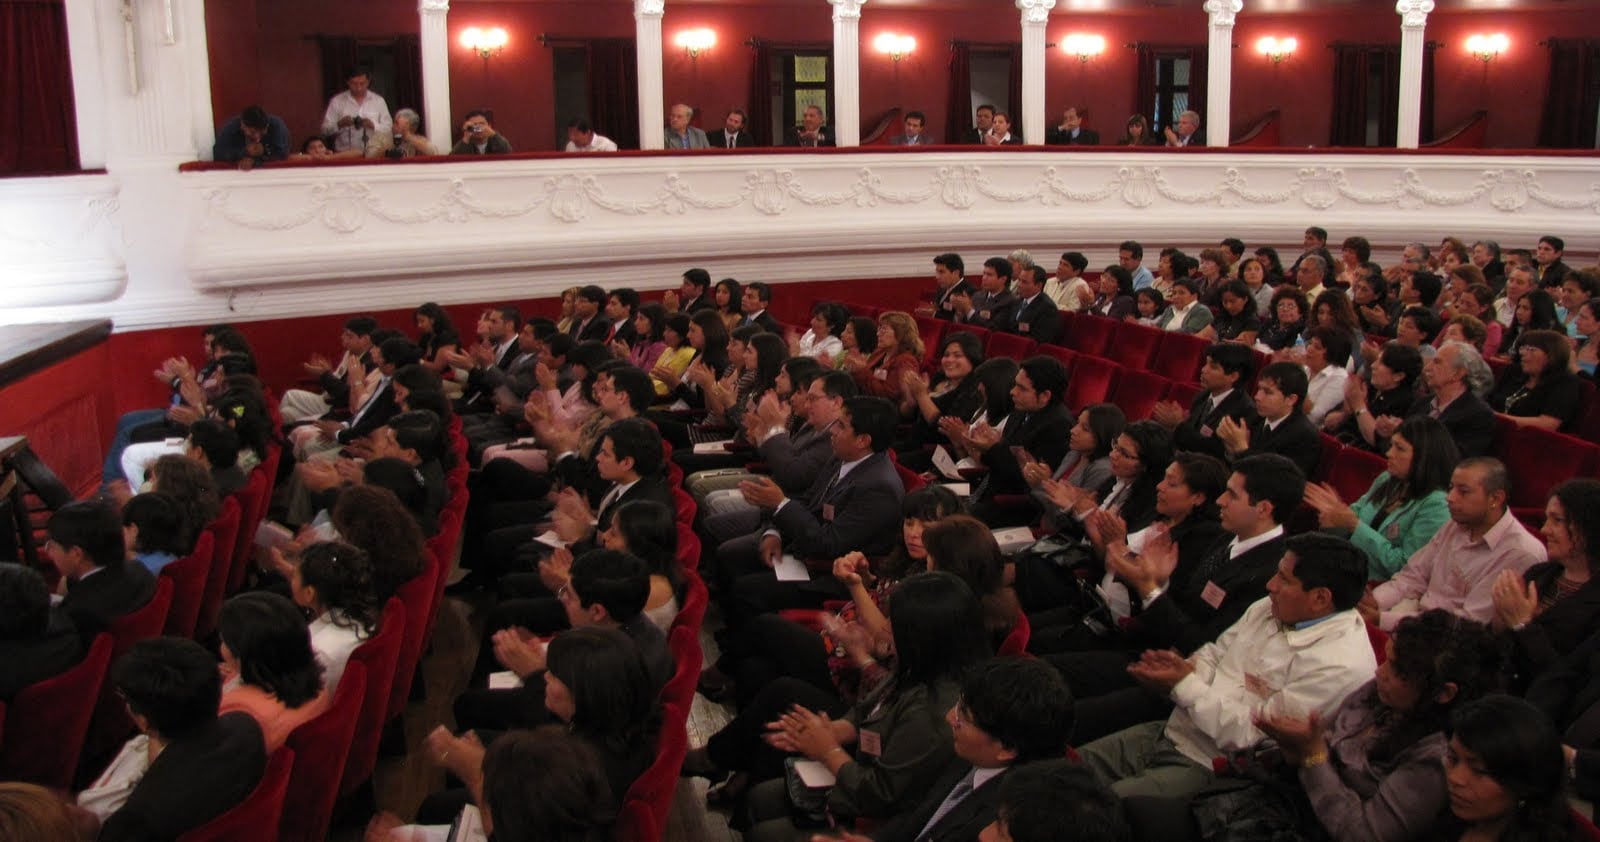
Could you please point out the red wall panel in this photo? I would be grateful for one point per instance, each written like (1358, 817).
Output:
(68, 412)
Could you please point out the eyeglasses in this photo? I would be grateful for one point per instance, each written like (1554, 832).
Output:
(1126, 453)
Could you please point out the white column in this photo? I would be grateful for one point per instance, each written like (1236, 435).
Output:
(846, 117)
(435, 39)
(89, 98)
(652, 108)
(1413, 20)
(1219, 70)
(1031, 110)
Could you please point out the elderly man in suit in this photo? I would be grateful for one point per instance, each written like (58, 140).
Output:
(681, 135)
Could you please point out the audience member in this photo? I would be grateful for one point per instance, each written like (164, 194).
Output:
(812, 131)
(374, 520)
(1504, 769)
(1187, 132)
(357, 114)
(733, 135)
(29, 811)
(581, 137)
(1071, 131)
(1281, 426)
(1037, 315)
(681, 135)
(1228, 366)
(406, 140)
(1136, 132)
(999, 133)
(1042, 798)
(35, 642)
(1457, 376)
(1551, 607)
(983, 123)
(1033, 428)
(87, 547)
(899, 354)
(1540, 390)
(912, 131)
(272, 673)
(478, 136)
(994, 304)
(1115, 297)
(253, 137)
(1184, 312)
(332, 582)
(154, 529)
(1547, 261)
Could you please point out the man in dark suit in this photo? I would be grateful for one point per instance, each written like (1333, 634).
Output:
(811, 132)
(993, 304)
(35, 643)
(1227, 366)
(984, 119)
(916, 124)
(1036, 315)
(499, 350)
(853, 505)
(86, 545)
(587, 322)
(1188, 131)
(629, 458)
(208, 763)
(1449, 376)
(691, 295)
(376, 411)
(1547, 262)
(756, 298)
(1012, 711)
(1038, 422)
(1071, 131)
(1185, 604)
(1281, 426)
(357, 342)
(621, 305)
(947, 274)
(733, 134)
(216, 446)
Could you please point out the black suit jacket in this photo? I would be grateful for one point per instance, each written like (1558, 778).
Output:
(865, 507)
(196, 778)
(1469, 420)
(824, 136)
(797, 457)
(1086, 137)
(94, 601)
(1190, 435)
(30, 661)
(1183, 618)
(1296, 438)
(647, 488)
(703, 302)
(596, 330)
(766, 321)
(719, 140)
(381, 407)
(1039, 320)
(337, 387)
(1042, 434)
(941, 299)
(992, 310)
(625, 333)
(964, 821)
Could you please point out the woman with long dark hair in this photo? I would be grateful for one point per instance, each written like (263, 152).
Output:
(1555, 605)
(1114, 298)
(649, 325)
(1388, 389)
(1536, 310)
(1236, 319)
(822, 339)
(1505, 773)
(994, 377)
(728, 296)
(1404, 507)
(1539, 389)
(1136, 132)
(1139, 459)
(951, 392)
(270, 669)
(333, 584)
(438, 336)
(1087, 464)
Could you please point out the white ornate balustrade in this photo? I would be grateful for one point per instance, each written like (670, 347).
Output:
(279, 241)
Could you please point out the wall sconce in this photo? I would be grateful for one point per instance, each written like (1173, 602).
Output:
(1486, 47)
(695, 40)
(484, 42)
(896, 46)
(1083, 46)
(1276, 49)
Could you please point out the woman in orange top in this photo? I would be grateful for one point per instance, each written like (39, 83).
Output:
(268, 667)
(899, 351)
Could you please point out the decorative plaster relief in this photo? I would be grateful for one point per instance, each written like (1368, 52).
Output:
(1036, 11)
(847, 9)
(1413, 13)
(60, 241)
(1223, 12)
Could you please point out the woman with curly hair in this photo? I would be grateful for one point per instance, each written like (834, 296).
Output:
(333, 583)
(375, 520)
(188, 483)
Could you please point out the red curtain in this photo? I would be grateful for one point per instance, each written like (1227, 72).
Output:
(341, 55)
(1572, 95)
(1354, 66)
(407, 73)
(1148, 56)
(759, 105)
(614, 90)
(38, 129)
(958, 111)
(1350, 65)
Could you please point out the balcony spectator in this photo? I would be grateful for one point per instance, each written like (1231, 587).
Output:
(912, 135)
(984, 123)
(733, 134)
(253, 137)
(581, 137)
(1188, 131)
(812, 131)
(478, 137)
(1137, 132)
(681, 135)
(405, 141)
(1071, 131)
(356, 114)
(1000, 133)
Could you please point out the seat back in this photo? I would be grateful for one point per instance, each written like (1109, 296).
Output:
(258, 817)
(932, 332)
(683, 506)
(1180, 356)
(636, 821)
(1331, 448)
(659, 783)
(416, 595)
(1067, 356)
(1091, 382)
(188, 575)
(684, 643)
(688, 554)
(1008, 345)
(1090, 334)
(379, 655)
(111, 725)
(1016, 642)
(46, 724)
(252, 508)
(1133, 345)
(320, 749)
(1137, 392)
(1353, 471)
(1183, 393)
(695, 599)
(1068, 318)
(1542, 460)
(224, 532)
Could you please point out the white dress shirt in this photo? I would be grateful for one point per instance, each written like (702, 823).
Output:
(356, 136)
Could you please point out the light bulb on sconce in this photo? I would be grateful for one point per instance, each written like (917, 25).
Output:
(1486, 47)
(1276, 49)
(484, 42)
(895, 46)
(1083, 46)
(695, 41)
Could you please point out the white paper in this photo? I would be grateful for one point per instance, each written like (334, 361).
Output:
(944, 464)
(713, 447)
(551, 539)
(813, 774)
(1013, 539)
(270, 534)
(504, 680)
(1116, 597)
(960, 489)
(791, 569)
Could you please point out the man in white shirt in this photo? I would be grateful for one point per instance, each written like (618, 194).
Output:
(1456, 570)
(581, 137)
(1297, 653)
(1327, 355)
(1068, 289)
(356, 114)
(1519, 280)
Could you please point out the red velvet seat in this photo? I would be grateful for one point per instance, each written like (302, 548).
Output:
(379, 655)
(1583, 829)
(188, 575)
(111, 725)
(1380, 642)
(1091, 382)
(1133, 345)
(636, 821)
(1016, 642)
(1540, 460)
(1180, 356)
(1090, 334)
(1068, 318)
(695, 599)
(1138, 392)
(252, 507)
(1183, 393)
(224, 531)
(688, 554)
(1353, 471)
(1008, 345)
(1331, 448)
(932, 331)
(258, 817)
(320, 748)
(416, 595)
(659, 783)
(981, 332)
(684, 643)
(47, 723)
(684, 508)
(1067, 357)
(444, 546)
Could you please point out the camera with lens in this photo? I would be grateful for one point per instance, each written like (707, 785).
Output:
(396, 151)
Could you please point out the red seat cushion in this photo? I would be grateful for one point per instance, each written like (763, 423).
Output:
(320, 748)
(1133, 345)
(46, 723)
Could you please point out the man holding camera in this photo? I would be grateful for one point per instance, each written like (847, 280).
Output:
(478, 137)
(405, 142)
(356, 115)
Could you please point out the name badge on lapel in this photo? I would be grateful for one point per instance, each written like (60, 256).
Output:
(1213, 595)
(871, 743)
(827, 512)
(1022, 327)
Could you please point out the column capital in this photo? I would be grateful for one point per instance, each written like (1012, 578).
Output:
(847, 9)
(440, 6)
(1413, 13)
(649, 8)
(1222, 12)
(1035, 11)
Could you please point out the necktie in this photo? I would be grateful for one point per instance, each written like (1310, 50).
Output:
(958, 793)
(1205, 411)
(816, 505)
(606, 501)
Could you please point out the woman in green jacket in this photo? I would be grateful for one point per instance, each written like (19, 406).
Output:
(1405, 505)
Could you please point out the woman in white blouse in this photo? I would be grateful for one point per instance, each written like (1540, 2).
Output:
(333, 583)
